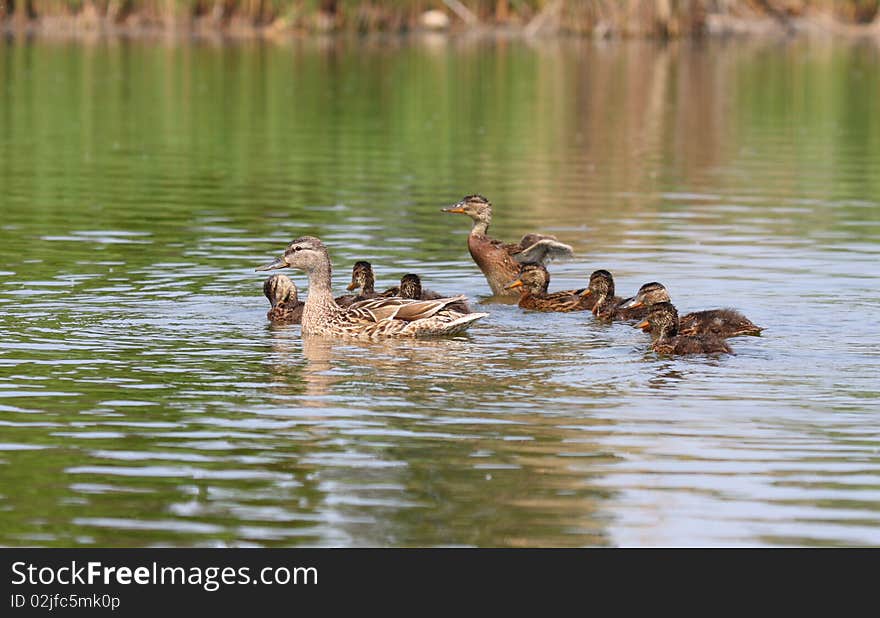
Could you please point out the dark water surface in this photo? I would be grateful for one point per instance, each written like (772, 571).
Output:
(144, 400)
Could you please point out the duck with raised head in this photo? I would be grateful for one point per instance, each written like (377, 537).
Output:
(717, 322)
(533, 280)
(494, 258)
(662, 322)
(282, 295)
(606, 305)
(374, 318)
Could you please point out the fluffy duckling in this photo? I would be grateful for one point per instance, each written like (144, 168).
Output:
(282, 294)
(662, 322)
(364, 281)
(493, 257)
(411, 287)
(532, 284)
(607, 306)
(717, 322)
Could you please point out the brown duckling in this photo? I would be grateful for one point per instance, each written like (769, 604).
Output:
(493, 257)
(411, 287)
(662, 322)
(607, 306)
(362, 279)
(532, 284)
(717, 322)
(282, 294)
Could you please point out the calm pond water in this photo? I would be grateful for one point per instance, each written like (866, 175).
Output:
(144, 399)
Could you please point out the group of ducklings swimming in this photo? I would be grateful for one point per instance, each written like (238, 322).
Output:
(514, 270)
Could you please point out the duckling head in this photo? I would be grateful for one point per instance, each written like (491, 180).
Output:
(362, 278)
(661, 322)
(280, 290)
(410, 286)
(533, 279)
(601, 287)
(306, 253)
(648, 295)
(476, 207)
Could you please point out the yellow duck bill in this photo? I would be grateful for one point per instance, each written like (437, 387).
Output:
(458, 208)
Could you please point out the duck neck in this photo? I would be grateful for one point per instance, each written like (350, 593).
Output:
(320, 301)
(601, 297)
(369, 286)
(668, 331)
(481, 226)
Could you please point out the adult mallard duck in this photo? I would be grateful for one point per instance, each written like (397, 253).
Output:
(533, 280)
(662, 322)
(494, 257)
(369, 319)
(282, 294)
(717, 322)
(606, 305)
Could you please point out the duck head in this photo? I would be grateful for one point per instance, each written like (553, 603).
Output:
(661, 322)
(648, 295)
(601, 287)
(477, 207)
(280, 290)
(533, 279)
(362, 278)
(306, 253)
(411, 286)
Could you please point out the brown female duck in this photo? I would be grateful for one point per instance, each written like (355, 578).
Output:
(662, 322)
(607, 306)
(717, 322)
(374, 318)
(494, 257)
(282, 294)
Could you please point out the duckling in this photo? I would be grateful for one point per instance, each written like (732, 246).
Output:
(533, 282)
(662, 321)
(607, 306)
(282, 294)
(411, 287)
(363, 279)
(718, 322)
(492, 256)
(374, 318)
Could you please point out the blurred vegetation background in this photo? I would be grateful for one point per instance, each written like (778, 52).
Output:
(659, 18)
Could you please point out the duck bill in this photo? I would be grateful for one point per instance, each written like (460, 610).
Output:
(516, 284)
(586, 292)
(632, 304)
(644, 325)
(274, 265)
(457, 208)
(352, 286)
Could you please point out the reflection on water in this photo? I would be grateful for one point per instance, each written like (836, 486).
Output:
(144, 400)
